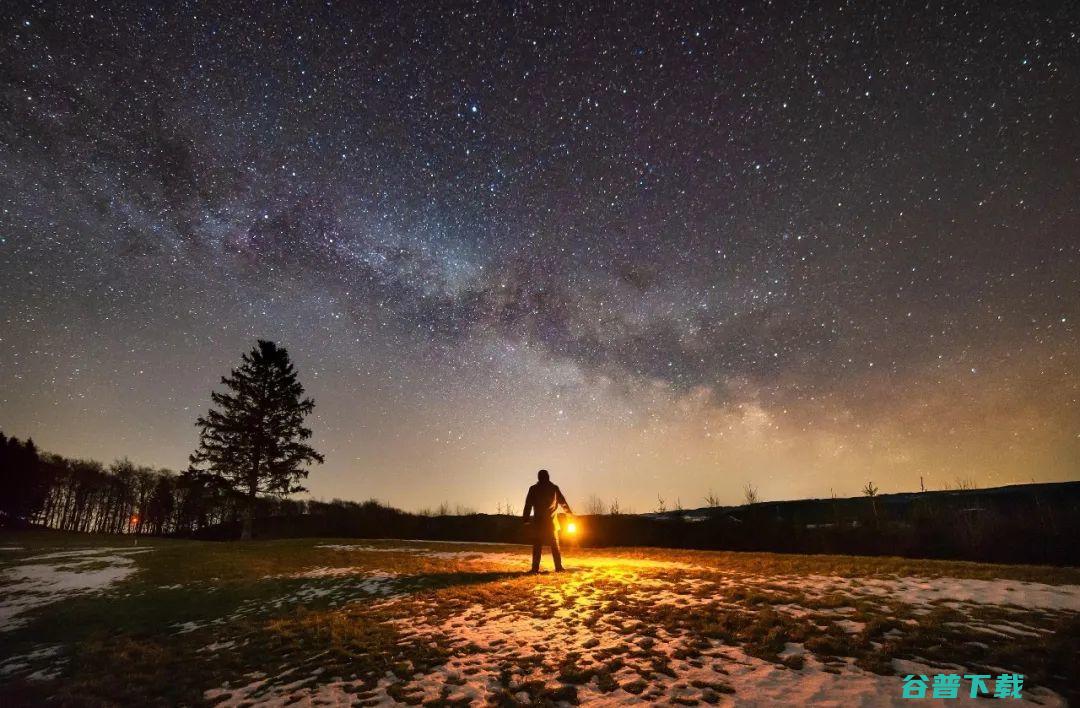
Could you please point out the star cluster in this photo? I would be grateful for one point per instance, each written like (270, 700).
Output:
(657, 249)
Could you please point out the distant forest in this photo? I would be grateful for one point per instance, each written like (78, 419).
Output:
(1032, 523)
(40, 489)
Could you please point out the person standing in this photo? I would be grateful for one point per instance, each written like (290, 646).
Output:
(543, 502)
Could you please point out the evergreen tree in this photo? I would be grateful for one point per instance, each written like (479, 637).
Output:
(253, 440)
(24, 481)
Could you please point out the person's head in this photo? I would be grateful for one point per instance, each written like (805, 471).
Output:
(543, 476)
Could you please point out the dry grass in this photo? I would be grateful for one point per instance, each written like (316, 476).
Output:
(637, 620)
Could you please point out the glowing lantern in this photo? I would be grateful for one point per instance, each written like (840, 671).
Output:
(571, 527)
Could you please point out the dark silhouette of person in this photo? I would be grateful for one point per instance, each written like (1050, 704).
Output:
(543, 501)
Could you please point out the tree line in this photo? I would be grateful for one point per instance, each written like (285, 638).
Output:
(251, 453)
(44, 489)
(1023, 524)
(57, 492)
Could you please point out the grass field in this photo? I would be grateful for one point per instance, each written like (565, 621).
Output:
(98, 620)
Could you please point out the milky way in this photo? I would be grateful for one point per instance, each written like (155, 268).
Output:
(660, 251)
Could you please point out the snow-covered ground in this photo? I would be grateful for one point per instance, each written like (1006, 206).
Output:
(16, 664)
(43, 579)
(502, 652)
(464, 624)
(952, 591)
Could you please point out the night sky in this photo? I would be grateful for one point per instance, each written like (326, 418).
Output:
(661, 250)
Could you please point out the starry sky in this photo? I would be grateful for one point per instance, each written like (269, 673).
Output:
(659, 250)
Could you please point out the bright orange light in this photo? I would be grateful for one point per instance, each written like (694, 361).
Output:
(571, 527)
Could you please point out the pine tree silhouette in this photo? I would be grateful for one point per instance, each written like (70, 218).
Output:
(252, 441)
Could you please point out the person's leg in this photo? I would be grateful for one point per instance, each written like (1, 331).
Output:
(537, 548)
(556, 553)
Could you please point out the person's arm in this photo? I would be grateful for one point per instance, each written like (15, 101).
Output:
(562, 500)
(528, 505)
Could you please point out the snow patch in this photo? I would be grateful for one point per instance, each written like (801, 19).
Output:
(926, 591)
(88, 552)
(26, 587)
(331, 572)
(20, 663)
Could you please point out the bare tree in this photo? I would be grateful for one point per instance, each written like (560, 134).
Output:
(750, 494)
(871, 491)
(711, 500)
(594, 505)
(966, 484)
(661, 505)
(614, 508)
